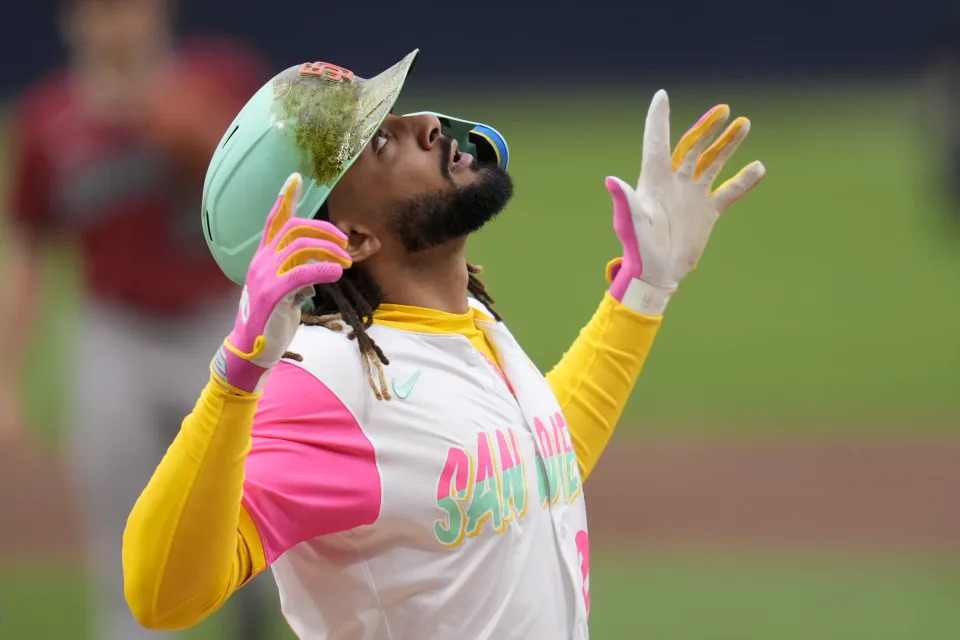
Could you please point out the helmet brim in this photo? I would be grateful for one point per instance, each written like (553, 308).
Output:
(333, 120)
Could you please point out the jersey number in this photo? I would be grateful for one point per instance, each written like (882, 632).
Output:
(583, 551)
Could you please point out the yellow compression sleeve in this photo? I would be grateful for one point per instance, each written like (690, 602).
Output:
(592, 381)
(594, 378)
(188, 543)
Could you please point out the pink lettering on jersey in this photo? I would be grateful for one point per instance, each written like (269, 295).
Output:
(488, 486)
(484, 457)
(547, 469)
(583, 554)
(571, 476)
(454, 492)
(513, 481)
(486, 501)
(455, 477)
(558, 473)
(506, 456)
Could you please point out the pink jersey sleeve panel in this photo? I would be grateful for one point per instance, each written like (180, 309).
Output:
(311, 470)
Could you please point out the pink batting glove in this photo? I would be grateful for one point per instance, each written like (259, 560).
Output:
(665, 223)
(294, 254)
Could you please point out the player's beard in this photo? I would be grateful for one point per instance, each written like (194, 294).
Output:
(433, 219)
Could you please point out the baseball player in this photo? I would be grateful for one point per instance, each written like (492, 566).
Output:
(371, 429)
(105, 157)
(942, 97)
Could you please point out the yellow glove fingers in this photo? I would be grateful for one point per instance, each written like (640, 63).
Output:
(285, 207)
(716, 156)
(307, 230)
(301, 257)
(697, 136)
(737, 186)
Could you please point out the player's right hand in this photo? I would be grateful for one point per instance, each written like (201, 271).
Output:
(294, 254)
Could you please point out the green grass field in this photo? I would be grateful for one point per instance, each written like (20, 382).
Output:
(827, 298)
(826, 301)
(635, 597)
(828, 294)
(638, 597)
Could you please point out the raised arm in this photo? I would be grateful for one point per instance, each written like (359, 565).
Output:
(663, 226)
(189, 541)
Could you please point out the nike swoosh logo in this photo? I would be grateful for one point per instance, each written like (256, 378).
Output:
(403, 390)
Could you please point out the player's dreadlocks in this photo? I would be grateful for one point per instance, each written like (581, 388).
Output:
(352, 301)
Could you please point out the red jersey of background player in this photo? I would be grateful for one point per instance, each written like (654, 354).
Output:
(129, 194)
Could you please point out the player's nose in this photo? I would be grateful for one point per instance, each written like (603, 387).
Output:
(425, 128)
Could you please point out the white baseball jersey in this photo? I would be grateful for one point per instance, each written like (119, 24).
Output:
(453, 510)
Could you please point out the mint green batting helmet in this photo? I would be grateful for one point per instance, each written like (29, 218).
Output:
(314, 118)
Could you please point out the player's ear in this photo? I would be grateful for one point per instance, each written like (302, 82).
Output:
(351, 218)
(361, 242)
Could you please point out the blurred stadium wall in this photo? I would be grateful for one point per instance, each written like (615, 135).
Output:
(501, 42)
(787, 467)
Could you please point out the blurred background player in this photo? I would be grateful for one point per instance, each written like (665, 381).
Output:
(943, 103)
(109, 154)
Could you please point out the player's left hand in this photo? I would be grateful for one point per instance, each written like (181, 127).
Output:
(664, 223)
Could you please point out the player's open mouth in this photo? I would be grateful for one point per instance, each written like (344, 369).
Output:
(458, 158)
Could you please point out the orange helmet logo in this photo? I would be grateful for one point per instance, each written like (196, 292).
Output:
(327, 71)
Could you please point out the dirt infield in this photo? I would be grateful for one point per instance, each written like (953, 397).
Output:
(885, 496)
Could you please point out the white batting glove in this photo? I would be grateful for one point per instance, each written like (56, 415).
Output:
(665, 223)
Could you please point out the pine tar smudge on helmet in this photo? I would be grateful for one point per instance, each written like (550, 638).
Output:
(314, 118)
